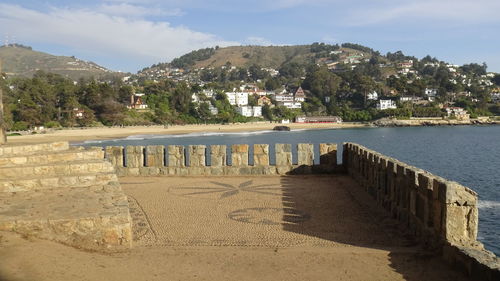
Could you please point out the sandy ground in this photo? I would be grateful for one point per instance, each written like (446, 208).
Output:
(238, 228)
(77, 135)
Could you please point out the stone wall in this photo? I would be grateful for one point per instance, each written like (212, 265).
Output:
(442, 214)
(192, 160)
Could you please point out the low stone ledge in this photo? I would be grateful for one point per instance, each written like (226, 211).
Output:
(475, 262)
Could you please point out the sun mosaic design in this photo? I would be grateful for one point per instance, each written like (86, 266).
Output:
(228, 190)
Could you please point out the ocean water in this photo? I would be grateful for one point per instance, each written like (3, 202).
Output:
(469, 155)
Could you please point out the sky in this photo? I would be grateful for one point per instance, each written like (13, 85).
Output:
(128, 35)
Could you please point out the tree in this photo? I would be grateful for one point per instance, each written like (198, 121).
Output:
(322, 84)
(496, 79)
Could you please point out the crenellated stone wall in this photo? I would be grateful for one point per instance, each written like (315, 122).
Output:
(192, 159)
(440, 213)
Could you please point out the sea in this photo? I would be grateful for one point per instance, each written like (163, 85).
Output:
(469, 155)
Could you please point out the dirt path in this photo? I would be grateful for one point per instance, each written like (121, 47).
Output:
(238, 228)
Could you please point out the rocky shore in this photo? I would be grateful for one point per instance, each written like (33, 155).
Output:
(388, 122)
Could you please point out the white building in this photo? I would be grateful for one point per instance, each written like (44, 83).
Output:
(283, 97)
(386, 104)
(431, 94)
(290, 104)
(237, 98)
(372, 96)
(409, 98)
(250, 111)
(495, 97)
(457, 112)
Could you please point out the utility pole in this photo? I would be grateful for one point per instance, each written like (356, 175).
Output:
(3, 136)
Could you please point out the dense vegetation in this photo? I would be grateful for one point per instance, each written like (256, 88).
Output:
(52, 100)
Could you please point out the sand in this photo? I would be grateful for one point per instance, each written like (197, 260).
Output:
(103, 133)
(238, 228)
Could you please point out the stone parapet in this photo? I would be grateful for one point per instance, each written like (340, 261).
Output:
(239, 154)
(440, 213)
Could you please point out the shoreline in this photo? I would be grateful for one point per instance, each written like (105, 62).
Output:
(76, 135)
(107, 133)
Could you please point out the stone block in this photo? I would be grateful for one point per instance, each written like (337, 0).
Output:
(176, 157)
(114, 154)
(460, 224)
(283, 154)
(239, 155)
(155, 156)
(305, 154)
(197, 156)
(134, 156)
(453, 192)
(218, 155)
(261, 155)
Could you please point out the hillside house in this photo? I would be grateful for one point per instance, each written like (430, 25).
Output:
(386, 104)
(263, 101)
(237, 98)
(299, 95)
(136, 102)
(457, 112)
(430, 94)
(495, 97)
(250, 111)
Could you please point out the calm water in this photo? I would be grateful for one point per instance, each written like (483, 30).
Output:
(466, 154)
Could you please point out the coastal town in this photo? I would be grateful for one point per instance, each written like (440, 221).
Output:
(325, 83)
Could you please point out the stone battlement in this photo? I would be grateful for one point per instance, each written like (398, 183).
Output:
(178, 160)
(440, 213)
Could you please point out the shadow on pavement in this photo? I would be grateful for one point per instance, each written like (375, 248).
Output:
(335, 208)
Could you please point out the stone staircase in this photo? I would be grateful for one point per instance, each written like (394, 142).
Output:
(66, 194)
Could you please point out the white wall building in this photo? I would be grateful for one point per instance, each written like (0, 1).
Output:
(237, 98)
(250, 111)
(431, 94)
(386, 104)
(290, 104)
(283, 97)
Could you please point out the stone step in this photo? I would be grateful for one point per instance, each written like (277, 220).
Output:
(17, 150)
(73, 154)
(93, 219)
(51, 170)
(66, 181)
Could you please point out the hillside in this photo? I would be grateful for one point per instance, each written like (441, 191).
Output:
(18, 60)
(263, 56)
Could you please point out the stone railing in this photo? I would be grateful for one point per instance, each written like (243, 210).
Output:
(178, 160)
(440, 213)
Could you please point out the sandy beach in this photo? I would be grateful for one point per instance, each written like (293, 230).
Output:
(103, 133)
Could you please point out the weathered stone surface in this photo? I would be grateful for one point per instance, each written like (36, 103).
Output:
(261, 155)
(15, 150)
(218, 155)
(328, 154)
(239, 155)
(305, 153)
(176, 157)
(197, 155)
(155, 156)
(115, 155)
(283, 154)
(134, 156)
(67, 195)
(453, 192)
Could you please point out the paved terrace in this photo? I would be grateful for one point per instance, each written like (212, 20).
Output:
(239, 228)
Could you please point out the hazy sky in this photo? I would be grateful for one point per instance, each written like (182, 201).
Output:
(130, 35)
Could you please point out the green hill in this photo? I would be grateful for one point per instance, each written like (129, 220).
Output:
(264, 56)
(19, 60)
